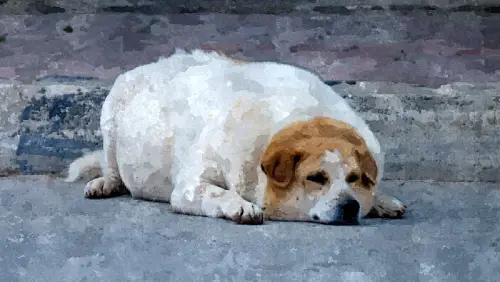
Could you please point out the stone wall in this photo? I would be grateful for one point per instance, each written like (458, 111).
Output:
(426, 80)
(238, 6)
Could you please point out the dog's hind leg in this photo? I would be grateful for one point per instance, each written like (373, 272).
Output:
(110, 184)
(99, 188)
(210, 200)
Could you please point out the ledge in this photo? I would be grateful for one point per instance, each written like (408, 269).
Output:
(444, 134)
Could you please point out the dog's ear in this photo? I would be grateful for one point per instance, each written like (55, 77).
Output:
(280, 166)
(368, 168)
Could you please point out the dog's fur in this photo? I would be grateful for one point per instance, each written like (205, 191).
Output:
(240, 140)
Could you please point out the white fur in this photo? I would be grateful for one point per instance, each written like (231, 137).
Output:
(194, 119)
(87, 166)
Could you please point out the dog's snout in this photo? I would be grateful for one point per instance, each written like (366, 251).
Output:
(349, 209)
(347, 212)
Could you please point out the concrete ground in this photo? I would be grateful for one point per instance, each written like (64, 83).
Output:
(49, 232)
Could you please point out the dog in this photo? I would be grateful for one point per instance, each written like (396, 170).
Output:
(241, 140)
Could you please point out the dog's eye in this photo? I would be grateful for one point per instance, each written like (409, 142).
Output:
(352, 178)
(318, 177)
(366, 181)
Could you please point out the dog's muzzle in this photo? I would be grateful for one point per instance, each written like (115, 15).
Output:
(345, 212)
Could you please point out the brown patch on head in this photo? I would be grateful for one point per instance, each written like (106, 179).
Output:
(292, 161)
(368, 168)
(280, 165)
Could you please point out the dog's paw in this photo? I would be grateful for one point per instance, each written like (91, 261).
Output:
(395, 209)
(388, 207)
(101, 188)
(95, 188)
(243, 212)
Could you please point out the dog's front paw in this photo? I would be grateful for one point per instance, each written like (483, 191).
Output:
(243, 212)
(388, 207)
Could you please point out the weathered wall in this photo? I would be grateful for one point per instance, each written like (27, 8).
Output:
(414, 47)
(447, 133)
(409, 67)
(234, 6)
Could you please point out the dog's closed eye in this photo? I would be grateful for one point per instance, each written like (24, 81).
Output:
(318, 177)
(352, 177)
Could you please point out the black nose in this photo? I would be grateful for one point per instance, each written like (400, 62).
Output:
(347, 212)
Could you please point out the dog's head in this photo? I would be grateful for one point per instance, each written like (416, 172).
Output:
(320, 171)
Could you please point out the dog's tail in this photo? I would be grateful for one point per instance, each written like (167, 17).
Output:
(88, 167)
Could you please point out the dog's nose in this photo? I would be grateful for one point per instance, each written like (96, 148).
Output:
(347, 212)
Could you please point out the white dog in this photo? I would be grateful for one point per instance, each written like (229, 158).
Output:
(240, 140)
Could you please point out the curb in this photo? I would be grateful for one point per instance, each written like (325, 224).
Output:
(442, 134)
(48, 125)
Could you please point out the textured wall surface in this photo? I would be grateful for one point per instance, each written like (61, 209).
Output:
(445, 133)
(236, 6)
(426, 80)
(415, 47)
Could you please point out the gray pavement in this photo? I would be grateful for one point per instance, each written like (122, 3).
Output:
(49, 232)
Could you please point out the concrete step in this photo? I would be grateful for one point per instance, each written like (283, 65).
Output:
(448, 133)
(427, 83)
